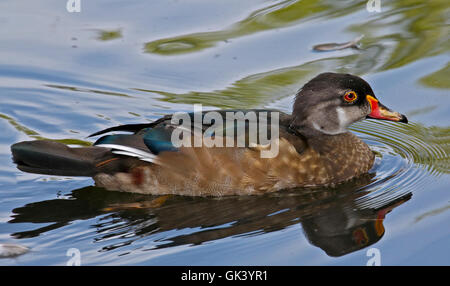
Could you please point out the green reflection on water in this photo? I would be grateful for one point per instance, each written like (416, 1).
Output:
(438, 79)
(409, 30)
(79, 89)
(251, 91)
(417, 29)
(432, 213)
(35, 135)
(105, 35)
(283, 14)
(259, 89)
(18, 127)
(404, 32)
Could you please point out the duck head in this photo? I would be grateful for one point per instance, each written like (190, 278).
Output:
(331, 102)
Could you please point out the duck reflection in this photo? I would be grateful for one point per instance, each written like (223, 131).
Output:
(330, 218)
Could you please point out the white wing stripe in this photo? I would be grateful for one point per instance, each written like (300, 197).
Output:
(130, 151)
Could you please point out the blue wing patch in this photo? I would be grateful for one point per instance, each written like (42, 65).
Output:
(158, 140)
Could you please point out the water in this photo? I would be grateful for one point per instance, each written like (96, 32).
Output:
(66, 75)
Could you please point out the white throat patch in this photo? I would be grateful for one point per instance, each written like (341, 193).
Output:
(342, 117)
(343, 122)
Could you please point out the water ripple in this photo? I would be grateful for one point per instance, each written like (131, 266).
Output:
(406, 156)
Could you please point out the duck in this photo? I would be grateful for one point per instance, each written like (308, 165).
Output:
(313, 147)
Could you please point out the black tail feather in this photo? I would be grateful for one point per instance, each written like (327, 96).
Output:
(53, 158)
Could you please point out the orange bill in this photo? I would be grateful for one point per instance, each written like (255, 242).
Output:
(379, 111)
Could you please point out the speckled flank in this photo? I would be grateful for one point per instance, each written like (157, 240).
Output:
(236, 171)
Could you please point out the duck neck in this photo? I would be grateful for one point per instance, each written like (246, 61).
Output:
(325, 143)
(319, 141)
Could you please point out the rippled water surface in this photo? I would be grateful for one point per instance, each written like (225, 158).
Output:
(66, 75)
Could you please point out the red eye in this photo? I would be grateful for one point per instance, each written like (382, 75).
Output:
(350, 96)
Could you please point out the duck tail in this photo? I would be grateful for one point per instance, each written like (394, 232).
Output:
(53, 158)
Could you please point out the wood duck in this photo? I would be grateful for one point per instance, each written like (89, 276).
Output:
(314, 149)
